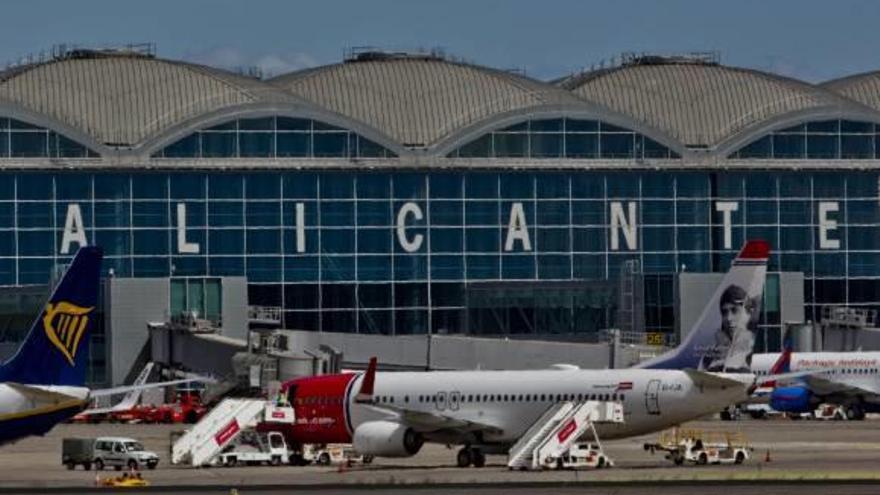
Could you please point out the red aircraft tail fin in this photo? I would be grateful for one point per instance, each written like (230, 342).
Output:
(366, 392)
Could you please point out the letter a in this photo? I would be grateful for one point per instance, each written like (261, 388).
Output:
(74, 231)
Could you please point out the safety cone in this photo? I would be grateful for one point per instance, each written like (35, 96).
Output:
(767, 456)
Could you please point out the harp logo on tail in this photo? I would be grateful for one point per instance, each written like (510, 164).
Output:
(65, 323)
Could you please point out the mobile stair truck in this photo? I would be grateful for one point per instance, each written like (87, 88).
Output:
(253, 448)
(700, 448)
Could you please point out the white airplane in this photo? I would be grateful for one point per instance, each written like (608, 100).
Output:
(128, 401)
(44, 382)
(392, 414)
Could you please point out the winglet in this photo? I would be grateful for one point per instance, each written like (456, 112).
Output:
(366, 392)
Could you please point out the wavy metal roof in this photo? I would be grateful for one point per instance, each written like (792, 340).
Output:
(701, 104)
(123, 100)
(419, 100)
(863, 88)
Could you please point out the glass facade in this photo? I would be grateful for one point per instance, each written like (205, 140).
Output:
(564, 138)
(22, 140)
(402, 252)
(829, 139)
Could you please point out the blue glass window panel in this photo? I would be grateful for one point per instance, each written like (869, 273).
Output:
(482, 267)
(337, 186)
(617, 145)
(412, 233)
(7, 215)
(371, 149)
(658, 186)
(151, 214)
(150, 242)
(150, 266)
(337, 241)
(483, 240)
(606, 127)
(583, 146)
(578, 125)
(789, 146)
(829, 185)
(655, 212)
(518, 266)
(410, 267)
(864, 265)
(7, 186)
(478, 148)
(263, 213)
(554, 267)
(262, 186)
(552, 240)
(324, 126)
(824, 126)
(311, 241)
(73, 186)
(374, 213)
(374, 186)
(149, 186)
(292, 124)
(862, 185)
(447, 240)
(28, 144)
(4, 147)
(445, 185)
(293, 144)
(31, 215)
(588, 213)
(481, 213)
(863, 238)
(658, 263)
(339, 321)
(409, 186)
(300, 186)
(189, 266)
(7, 244)
(113, 187)
(301, 268)
(760, 185)
(112, 214)
(331, 144)
(187, 186)
(822, 146)
(447, 295)
(337, 213)
(653, 149)
(546, 145)
(693, 238)
(481, 186)
(761, 212)
(657, 239)
(553, 212)
(736, 239)
(830, 264)
(374, 241)
(447, 268)
(760, 148)
(692, 185)
(264, 269)
(35, 186)
(257, 124)
(768, 233)
(692, 212)
(337, 268)
(226, 241)
(36, 243)
(849, 126)
(795, 129)
(263, 241)
(856, 147)
(374, 268)
(230, 125)
(795, 185)
(188, 147)
(552, 186)
(34, 271)
(225, 213)
(229, 266)
(623, 186)
(219, 144)
(410, 322)
(693, 262)
(510, 144)
(444, 212)
(375, 322)
(589, 239)
(863, 212)
(796, 238)
(588, 266)
(795, 212)
(729, 185)
(121, 266)
(517, 186)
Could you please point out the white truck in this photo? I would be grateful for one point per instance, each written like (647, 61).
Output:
(332, 453)
(702, 448)
(101, 452)
(584, 455)
(255, 449)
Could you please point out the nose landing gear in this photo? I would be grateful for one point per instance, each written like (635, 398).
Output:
(468, 456)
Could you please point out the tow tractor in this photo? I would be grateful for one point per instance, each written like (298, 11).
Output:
(700, 448)
(254, 448)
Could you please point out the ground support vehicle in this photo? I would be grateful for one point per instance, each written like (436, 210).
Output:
(700, 448)
(254, 448)
(327, 454)
(584, 455)
(101, 452)
(78, 451)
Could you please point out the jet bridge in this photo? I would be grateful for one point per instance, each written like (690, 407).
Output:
(554, 433)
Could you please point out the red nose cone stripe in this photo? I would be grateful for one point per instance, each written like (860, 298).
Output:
(755, 250)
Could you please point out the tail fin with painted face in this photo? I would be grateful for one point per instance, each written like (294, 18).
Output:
(55, 351)
(722, 339)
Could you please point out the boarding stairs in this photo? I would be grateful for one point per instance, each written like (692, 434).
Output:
(558, 428)
(223, 425)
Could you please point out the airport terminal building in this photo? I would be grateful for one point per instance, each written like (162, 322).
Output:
(400, 194)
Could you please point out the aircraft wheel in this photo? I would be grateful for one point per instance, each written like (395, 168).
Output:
(464, 458)
(479, 458)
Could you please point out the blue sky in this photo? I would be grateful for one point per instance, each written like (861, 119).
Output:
(807, 39)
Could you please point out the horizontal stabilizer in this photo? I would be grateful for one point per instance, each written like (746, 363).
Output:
(714, 380)
(128, 388)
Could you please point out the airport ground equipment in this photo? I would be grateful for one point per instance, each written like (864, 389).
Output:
(701, 448)
(220, 427)
(253, 448)
(551, 437)
(101, 452)
(333, 453)
(77, 451)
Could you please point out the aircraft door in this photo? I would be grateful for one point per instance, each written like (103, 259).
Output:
(652, 397)
(454, 400)
(440, 401)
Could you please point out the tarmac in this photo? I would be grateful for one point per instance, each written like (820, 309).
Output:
(789, 456)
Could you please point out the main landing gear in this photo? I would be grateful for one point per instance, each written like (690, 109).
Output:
(468, 456)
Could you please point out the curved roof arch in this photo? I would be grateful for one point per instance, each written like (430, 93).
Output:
(703, 104)
(419, 100)
(863, 88)
(16, 111)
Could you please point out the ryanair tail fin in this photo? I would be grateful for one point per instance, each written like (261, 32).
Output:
(55, 351)
(723, 337)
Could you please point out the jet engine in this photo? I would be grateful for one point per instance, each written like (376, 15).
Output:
(792, 400)
(386, 439)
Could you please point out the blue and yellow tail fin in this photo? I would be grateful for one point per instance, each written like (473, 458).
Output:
(55, 351)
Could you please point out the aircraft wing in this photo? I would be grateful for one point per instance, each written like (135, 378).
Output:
(41, 394)
(427, 422)
(824, 385)
(128, 388)
(715, 380)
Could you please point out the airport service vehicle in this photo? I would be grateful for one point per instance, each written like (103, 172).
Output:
(101, 452)
(257, 448)
(702, 448)
(43, 383)
(393, 414)
(334, 453)
(584, 455)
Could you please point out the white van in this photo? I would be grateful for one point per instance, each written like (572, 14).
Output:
(121, 452)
